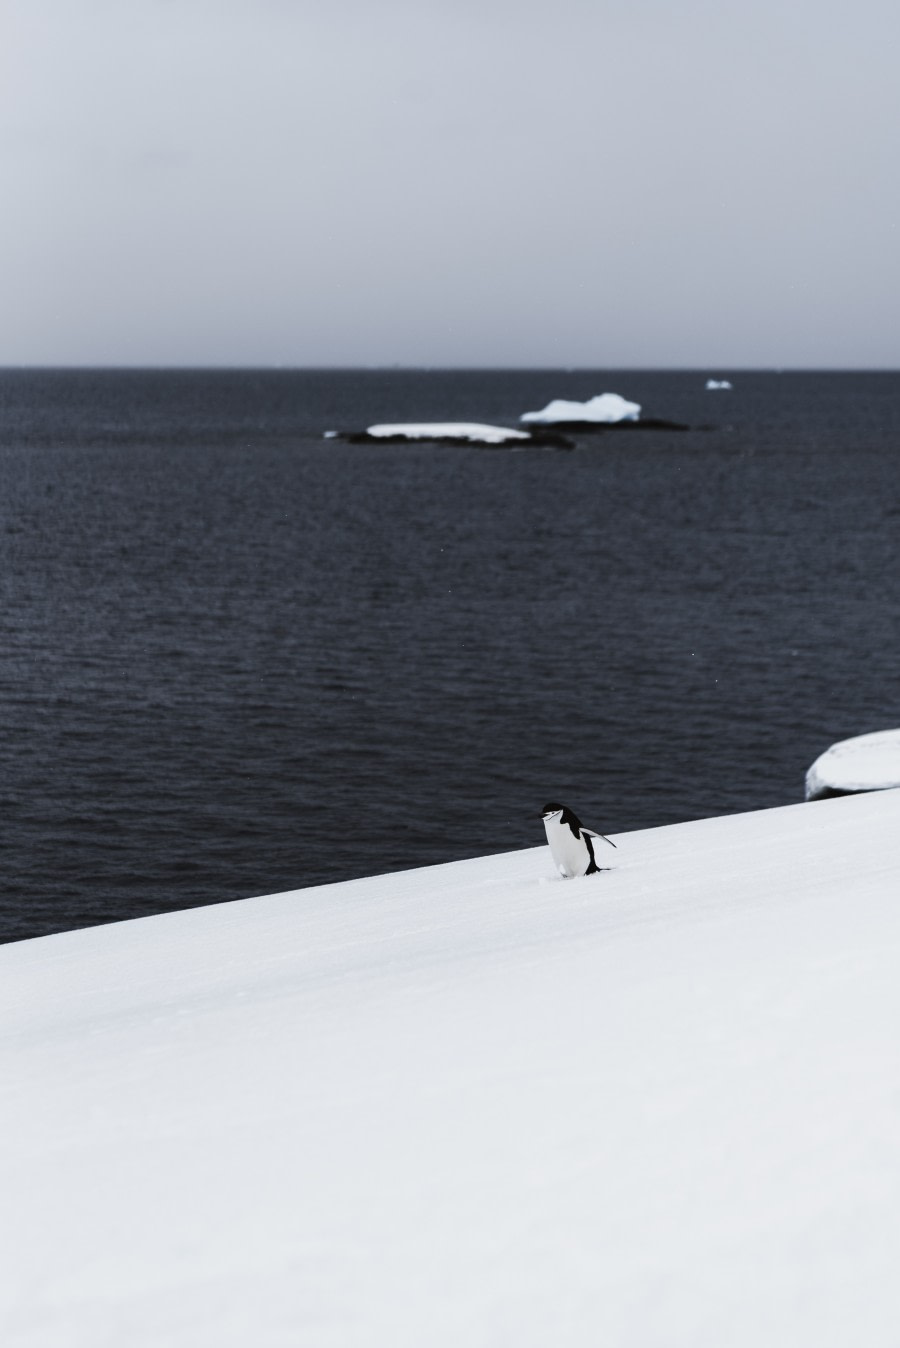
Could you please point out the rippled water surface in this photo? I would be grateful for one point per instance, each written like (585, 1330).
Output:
(238, 658)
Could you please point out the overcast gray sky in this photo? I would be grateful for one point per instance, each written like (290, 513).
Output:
(450, 182)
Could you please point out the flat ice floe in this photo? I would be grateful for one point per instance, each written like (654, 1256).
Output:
(605, 407)
(718, 383)
(473, 1105)
(864, 763)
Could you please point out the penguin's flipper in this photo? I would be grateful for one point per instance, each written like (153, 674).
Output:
(592, 867)
(599, 835)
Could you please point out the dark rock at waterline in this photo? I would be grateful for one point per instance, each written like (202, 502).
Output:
(556, 435)
(601, 427)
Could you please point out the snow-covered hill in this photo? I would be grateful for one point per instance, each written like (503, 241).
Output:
(473, 1105)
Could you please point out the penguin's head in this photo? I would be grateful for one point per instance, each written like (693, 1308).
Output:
(562, 815)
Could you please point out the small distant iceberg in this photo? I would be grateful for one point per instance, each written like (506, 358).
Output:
(864, 763)
(605, 408)
(448, 432)
(719, 383)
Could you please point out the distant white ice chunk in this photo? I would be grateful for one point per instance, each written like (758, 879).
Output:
(606, 407)
(865, 763)
(448, 430)
(718, 383)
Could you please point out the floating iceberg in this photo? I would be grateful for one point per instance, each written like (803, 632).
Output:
(864, 763)
(606, 408)
(718, 383)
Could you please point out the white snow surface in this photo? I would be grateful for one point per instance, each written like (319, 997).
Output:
(606, 407)
(449, 430)
(657, 1107)
(864, 763)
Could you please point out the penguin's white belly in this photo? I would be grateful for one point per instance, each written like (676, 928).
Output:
(570, 853)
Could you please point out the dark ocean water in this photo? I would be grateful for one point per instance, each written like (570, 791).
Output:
(238, 658)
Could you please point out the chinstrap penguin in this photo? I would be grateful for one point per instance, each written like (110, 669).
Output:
(570, 842)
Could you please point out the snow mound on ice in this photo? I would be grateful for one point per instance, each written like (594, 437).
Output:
(864, 763)
(605, 407)
(447, 430)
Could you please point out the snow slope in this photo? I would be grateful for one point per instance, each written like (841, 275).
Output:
(473, 1105)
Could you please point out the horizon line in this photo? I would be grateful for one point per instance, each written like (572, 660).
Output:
(400, 368)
